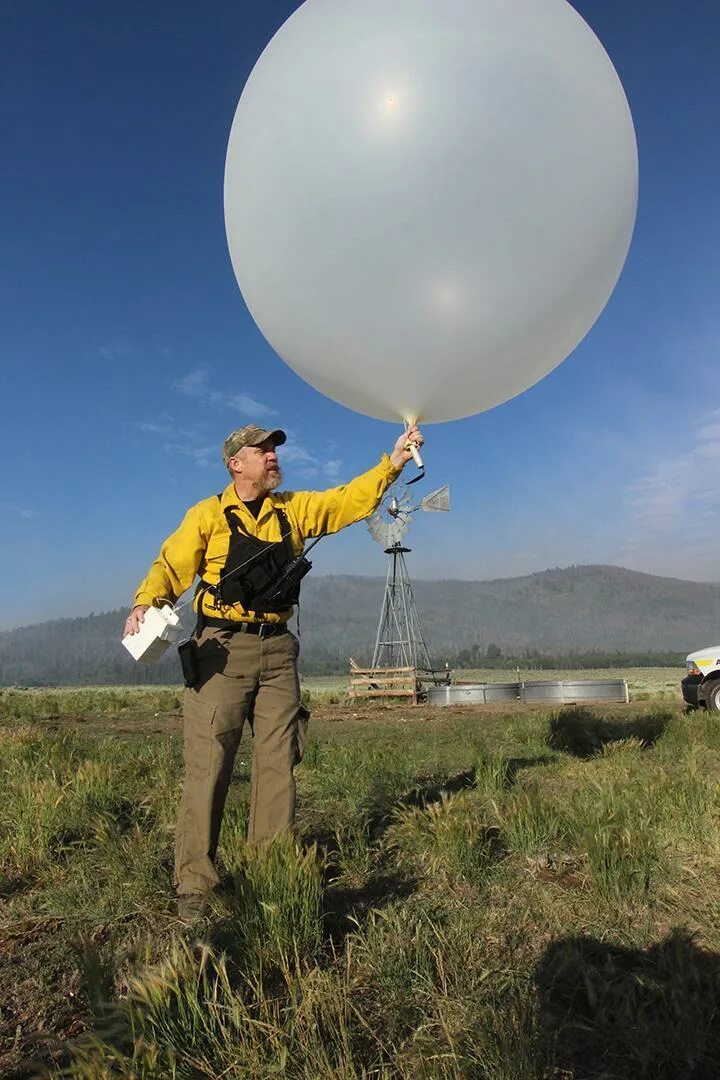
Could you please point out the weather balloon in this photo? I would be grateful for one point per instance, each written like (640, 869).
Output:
(429, 202)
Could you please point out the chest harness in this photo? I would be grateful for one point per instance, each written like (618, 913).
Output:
(263, 576)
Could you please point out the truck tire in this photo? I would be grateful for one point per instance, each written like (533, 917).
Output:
(713, 696)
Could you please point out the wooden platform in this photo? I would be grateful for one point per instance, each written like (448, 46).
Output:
(399, 682)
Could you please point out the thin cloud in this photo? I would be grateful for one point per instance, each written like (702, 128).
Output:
(153, 427)
(682, 487)
(202, 456)
(12, 511)
(675, 510)
(305, 463)
(296, 453)
(245, 405)
(332, 468)
(178, 439)
(116, 350)
(196, 384)
(308, 463)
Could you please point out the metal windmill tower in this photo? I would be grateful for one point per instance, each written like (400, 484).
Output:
(399, 641)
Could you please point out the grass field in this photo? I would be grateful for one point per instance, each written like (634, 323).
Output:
(501, 893)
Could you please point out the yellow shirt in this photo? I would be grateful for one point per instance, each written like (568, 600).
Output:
(199, 546)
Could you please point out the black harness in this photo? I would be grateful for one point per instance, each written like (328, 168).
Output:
(255, 573)
(253, 567)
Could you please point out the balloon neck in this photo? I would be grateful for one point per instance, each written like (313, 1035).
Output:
(409, 423)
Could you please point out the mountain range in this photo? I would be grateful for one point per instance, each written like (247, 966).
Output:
(558, 612)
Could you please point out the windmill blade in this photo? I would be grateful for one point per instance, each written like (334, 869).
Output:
(378, 528)
(401, 526)
(393, 517)
(388, 532)
(437, 500)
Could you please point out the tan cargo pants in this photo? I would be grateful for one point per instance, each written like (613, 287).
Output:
(241, 675)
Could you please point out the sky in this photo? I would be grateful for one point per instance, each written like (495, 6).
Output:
(127, 353)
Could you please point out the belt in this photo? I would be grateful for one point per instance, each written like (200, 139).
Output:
(263, 629)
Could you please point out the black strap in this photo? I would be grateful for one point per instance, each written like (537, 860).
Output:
(237, 527)
(200, 622)
(285, 532)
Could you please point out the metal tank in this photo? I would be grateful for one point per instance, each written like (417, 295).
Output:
(469, 694)
(502, 692)
(568, 692)
(575, 691)
(473, 693)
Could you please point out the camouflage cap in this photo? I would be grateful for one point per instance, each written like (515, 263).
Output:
(250, 435)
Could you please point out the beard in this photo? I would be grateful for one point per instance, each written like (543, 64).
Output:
(273, 480)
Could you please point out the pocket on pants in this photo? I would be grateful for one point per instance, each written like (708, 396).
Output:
(215, 717)
(198, 732)
(230, 717)
(301, 733)
(196, 711)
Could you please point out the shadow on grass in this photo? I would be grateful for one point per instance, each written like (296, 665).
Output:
(345, 903)
(431, 789)
(383, 884)
(582, 732)
(428, 790)
(516, 765)
(376, 814)
(11, 886)
(344, 907)
(613, 1012)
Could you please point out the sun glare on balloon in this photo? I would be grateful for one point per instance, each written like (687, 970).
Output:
(385, 110)
(446, 296)
(393, 100)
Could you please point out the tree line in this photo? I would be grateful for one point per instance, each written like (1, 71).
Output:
(534, 659)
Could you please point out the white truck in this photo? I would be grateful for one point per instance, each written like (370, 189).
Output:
(701, 685)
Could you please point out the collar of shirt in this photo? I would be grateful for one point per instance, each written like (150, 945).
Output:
(230, 499)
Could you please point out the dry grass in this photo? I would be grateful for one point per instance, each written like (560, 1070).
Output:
(504, 893)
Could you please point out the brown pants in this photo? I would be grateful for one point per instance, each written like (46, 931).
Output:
(241, 675)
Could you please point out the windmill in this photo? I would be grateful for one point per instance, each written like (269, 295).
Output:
(399, 642)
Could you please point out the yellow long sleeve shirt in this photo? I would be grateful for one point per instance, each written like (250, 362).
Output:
(199, 546)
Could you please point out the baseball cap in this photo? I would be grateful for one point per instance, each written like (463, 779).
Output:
(250, 435)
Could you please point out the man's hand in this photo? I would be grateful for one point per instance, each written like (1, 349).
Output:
(402, 453)
(135, 619)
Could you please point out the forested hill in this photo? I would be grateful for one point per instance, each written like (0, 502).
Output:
(556, 612)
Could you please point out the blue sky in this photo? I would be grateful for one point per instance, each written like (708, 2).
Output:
(127, 353)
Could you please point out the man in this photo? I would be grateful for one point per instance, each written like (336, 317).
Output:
(240, 543)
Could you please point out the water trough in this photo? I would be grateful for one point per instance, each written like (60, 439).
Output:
(559, 692)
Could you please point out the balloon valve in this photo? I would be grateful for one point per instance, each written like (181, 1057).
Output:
(412, 447)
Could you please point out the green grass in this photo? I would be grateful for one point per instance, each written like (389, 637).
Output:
(31, 705)
(507, 894)
(78, 702)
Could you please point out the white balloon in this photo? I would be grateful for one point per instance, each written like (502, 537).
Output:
(429, 202)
